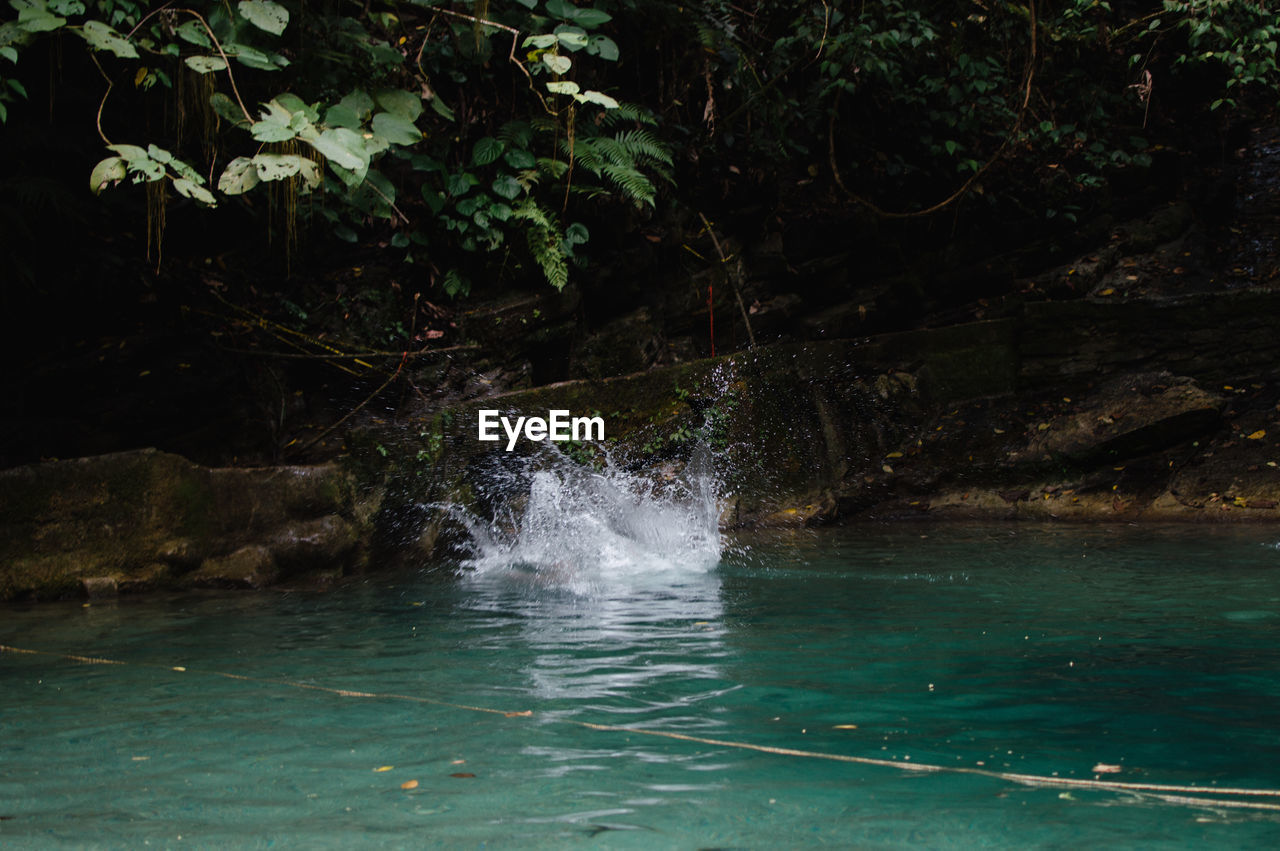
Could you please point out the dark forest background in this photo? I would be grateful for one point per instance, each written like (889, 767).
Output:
(227, 226)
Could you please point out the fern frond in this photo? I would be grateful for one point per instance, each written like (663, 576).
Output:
(546, 242)
(633, 184)
(643, 144)
(627, 112)
(586, 153)
(553, 168)
(588, 191)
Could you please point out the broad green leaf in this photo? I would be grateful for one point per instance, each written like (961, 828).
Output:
(519, 159)
(273, 111)
(396, 129)
(131, 153)
(342, 116)
(407, 105)
(540, 42)
(573, 38)
(251, 57)
(35, 19)
(296, 105)
(582, 17)
(507, 187)
(271, 130)
(486, 150)
(17, 86)
(102, 37)
(205, 64)
(160, 155)
(500, 211)
(9, 53)
(358, 102)
(604, 47)
(184, 170)
(442, 109)
(342, 147)
(350, 177)
(238, 177)
(277, 166)
(265, 15)
(597, 97)
(309, 171)
(374, 144)
(110, 170)
(146, 169)
(557, 63)
(66, 7)
(460, 184)
(192, 190)
(193, 32)
(434, 199)
(563, 87)
(300, 122)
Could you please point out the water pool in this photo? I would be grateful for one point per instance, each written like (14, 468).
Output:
(1129, 655)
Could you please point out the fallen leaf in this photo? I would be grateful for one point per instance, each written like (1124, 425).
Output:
(462, 774)
(384, 768)
(525, 714)
(894, 455)
(459, 762)
(1258, 435)
(409, 784)
(1104, 768)
(845, 727)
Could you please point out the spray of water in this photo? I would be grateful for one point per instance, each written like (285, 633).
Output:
(562, 524)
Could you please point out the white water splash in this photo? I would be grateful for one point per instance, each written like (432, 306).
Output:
(582, 529)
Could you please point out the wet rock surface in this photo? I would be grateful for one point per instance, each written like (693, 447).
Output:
(134, 521)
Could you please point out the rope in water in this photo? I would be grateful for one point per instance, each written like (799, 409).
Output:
(1165, 792)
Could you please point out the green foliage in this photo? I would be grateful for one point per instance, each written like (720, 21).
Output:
(904, 101)
(365, 107)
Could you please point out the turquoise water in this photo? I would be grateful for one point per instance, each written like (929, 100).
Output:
(1036, 650)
